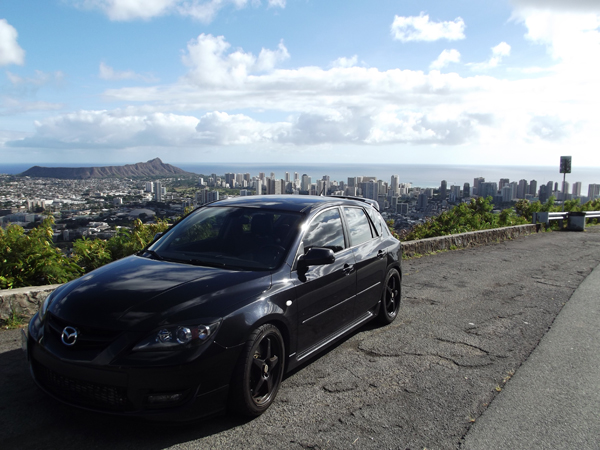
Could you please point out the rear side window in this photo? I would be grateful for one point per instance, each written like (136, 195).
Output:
(325, 231)
(358, 225)
(380, 225)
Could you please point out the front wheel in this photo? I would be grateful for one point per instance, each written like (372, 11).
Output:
(258, 374)
(390, 299)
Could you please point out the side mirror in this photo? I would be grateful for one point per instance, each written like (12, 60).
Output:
(157, 236)
(316, 256)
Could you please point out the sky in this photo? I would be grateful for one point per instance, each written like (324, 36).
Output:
(467, 82)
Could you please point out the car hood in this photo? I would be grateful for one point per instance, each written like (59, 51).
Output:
(136, 293)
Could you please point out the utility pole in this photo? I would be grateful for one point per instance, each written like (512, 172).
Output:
(565, 168)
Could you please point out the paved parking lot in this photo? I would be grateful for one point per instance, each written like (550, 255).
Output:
(469, 319)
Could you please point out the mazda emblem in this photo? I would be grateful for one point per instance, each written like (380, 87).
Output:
(69, 336)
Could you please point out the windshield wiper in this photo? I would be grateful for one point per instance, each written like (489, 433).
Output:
(201, 262)
(153, 253)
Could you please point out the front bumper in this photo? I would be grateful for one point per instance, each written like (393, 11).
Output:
(178, 392)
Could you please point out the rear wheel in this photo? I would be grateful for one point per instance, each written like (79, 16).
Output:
(259, 372)
(390, 299)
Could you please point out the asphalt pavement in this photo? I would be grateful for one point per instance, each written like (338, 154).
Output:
(495, 347)
(553, 401)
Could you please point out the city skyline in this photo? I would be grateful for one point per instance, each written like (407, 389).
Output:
(413, 174)
(415, 82)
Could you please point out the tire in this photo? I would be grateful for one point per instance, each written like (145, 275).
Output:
(390, 298)
(259, 371)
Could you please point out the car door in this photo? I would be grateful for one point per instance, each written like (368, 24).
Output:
(369, 251)
(325, 293)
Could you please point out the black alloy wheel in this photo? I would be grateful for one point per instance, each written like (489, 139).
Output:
(259, 372)
(390, 299)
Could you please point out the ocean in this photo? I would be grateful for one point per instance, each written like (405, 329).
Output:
(420, 175)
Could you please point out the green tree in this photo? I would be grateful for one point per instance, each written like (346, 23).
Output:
(472, 216)
(31, 259)
(94, 253)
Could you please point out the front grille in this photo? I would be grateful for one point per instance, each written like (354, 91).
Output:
(82, 393)
(88, 338)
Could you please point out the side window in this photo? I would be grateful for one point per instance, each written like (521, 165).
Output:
(380, 225)
(325, 231)
(358, 225)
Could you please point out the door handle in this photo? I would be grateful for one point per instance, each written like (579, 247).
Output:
(348, 269)
(381, 253)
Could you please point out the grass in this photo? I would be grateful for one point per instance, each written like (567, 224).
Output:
(15, 320)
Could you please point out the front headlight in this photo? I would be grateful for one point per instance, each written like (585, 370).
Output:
(177, 337)
(46, 305)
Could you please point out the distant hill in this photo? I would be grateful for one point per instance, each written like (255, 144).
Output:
(152, 168)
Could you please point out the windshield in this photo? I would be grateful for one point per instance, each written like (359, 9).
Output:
(230, 238)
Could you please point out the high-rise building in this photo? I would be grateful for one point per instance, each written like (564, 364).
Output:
(305, 184)
(394, 185)
(577, 189)
(454, 193)
(488, 189)
(422, 201)
(476, 182)
(503, 182)
(466, 190)
(593, 191)
(370, 190)
(230, 179)
(533, 188)
(507, 192)
(544, 193)
(158, 191)
(443, 189)
(274, 187)
(522, 190)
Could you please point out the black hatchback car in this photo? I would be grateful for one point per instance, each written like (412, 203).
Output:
(213, 313)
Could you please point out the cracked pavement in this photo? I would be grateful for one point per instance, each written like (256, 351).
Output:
(468, 320)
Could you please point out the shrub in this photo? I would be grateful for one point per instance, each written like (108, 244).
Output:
(472, 216)
(31, 259)
(94, 253)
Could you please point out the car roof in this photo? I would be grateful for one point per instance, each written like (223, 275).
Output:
(297, 203)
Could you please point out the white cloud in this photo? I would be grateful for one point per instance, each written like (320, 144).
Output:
(40, 79)
(202, 10)
(211, 65)
(276, 3)
(231, 97)
(108, 73)
(110, 129)
(445, 58)
(559, 5)
(345, 62)
(551, 128)
(10, 51)
(10, 106)
(419, 28)
(498, 53)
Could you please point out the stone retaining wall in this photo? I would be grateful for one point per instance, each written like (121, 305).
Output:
(463, 240)
(26, 301)
(23, 301)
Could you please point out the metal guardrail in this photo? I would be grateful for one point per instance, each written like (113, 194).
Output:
(576, 220)
(546, 217)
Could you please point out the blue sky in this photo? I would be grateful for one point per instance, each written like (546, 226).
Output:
(507, 82)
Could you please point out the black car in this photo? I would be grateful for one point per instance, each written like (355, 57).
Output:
(213, 313)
